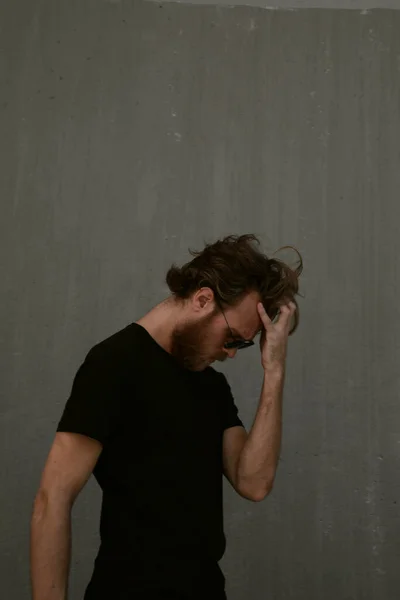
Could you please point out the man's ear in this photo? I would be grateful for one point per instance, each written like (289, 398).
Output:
(203, 300)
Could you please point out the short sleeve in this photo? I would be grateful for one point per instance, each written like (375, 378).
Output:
(229, 411)
(93, 406)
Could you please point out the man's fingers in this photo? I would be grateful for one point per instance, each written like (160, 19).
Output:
(263, 314)
(284, 314)
(287, 310)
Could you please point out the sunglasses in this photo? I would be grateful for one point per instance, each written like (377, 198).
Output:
(239, 343)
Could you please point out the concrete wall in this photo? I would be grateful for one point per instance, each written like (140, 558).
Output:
(362, 5)
(134, 130)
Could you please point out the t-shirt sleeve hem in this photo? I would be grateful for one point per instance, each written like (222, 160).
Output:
(90, 433)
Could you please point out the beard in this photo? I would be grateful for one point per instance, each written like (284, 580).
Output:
(191, 344)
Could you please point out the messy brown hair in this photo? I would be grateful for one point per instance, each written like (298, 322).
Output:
(234, 266)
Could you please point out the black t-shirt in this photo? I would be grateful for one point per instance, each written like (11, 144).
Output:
(161, 427)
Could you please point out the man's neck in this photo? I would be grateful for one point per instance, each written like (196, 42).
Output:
(161, 321)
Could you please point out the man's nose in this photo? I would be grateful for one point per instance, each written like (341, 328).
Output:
(231, 352)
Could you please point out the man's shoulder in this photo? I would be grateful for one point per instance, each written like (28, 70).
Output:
(215, 376)
(124, 343)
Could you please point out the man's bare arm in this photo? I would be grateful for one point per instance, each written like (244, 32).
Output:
(70, 463)
(251, 460)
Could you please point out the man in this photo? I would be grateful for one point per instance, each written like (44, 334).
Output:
(158, 426)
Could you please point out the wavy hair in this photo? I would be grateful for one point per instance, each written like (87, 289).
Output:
(234, 266)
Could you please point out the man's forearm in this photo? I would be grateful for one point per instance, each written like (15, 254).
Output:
(50, 550)
(259, 458)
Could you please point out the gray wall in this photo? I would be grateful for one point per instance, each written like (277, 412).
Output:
(363, 5)
(134, 130)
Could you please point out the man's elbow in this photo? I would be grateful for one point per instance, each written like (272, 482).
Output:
(51, 502)
(257, 493)
(261, 494)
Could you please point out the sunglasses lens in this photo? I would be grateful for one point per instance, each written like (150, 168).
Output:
(238, 344)
(231, 345)
(247, 344)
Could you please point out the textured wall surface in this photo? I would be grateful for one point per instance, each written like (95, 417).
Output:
(131, 131)
(363, 5)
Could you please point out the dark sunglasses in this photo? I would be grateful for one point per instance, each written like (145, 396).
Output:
(239, 343)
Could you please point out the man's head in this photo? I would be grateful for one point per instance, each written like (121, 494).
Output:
(218, 292)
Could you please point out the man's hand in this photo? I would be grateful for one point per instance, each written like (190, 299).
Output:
(274, 338)
(259, 456)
